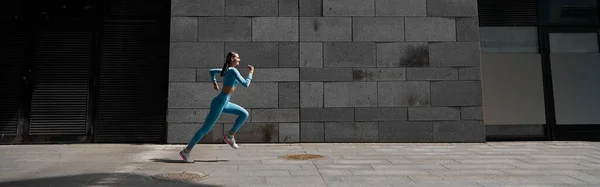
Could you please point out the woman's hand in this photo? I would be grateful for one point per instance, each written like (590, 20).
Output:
(215, 85)
(251, 68)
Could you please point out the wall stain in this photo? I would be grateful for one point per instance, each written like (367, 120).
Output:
(359, 75)
(412, 101)
(415, 100)
(415, 57)
(267, 130)
(316, 25)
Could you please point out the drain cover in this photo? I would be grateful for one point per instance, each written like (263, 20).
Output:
(302, 157)
(181, 176)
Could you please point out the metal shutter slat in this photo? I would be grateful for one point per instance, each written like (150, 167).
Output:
(507, 12)
(59, 100)
(13, 43)
(132, 82)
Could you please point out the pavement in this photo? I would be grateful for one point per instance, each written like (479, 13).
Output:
(489, 164)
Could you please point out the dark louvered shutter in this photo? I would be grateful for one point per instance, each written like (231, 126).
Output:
(12, 48)
(59, 103)
(507, 12)
(133, 73)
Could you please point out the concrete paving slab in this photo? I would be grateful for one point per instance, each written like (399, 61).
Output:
(345, 164)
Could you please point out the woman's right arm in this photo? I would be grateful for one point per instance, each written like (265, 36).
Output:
(213, 77)
(213, 74)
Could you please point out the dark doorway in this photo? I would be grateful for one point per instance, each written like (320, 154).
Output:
(77, 71)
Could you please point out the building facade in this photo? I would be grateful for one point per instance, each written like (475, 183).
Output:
(326, 70)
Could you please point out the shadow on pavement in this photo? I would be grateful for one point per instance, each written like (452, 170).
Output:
(100, 179)
(166, 160)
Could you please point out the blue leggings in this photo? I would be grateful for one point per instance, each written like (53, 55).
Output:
(220, 104)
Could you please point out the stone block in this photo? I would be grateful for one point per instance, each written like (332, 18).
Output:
(183, 133)
(289, 95)
(185, 115)
(351, 132)
(252, 7)
(452, 8)
(350, 94)
(410, 54)
(255, 132)
(311, 54)
(197, 8)
(456, 93)
(274, 29)
(350, 55)
(430, 29)
(289, 132)
(184, 29)
(288, 8)
(469, 73)
(379, 74)
(458, 131)
(200, 95)
(348, 8)
(311, 94)
(312, 132)
(312, 8)
(378, 29)
(260, 55)
(190, 95)
(401, 8)
(404, 131)
(288, 55)
(275, 115)
(433, 113)
(467, 29)
(258, 95)
(196, 54)
(325, 29)
(273, 74)
(431, 74)
(381, 114)
(454, 54)
(394, 94)
(471, 113)
(182, 75)
(325, 74)
(224, 29)
(326, 114)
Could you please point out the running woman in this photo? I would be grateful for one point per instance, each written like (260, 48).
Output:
(220, 104)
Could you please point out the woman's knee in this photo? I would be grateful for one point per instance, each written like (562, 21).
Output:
(244, 113)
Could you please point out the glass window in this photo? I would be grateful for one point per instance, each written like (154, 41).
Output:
(512, 89)
(576, 92)
(573, 42)
(509, 39)
(569, 12)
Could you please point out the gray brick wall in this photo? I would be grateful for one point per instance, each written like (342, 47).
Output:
(330, 70)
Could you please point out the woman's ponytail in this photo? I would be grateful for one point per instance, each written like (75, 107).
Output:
(227, 61)
(225, 66)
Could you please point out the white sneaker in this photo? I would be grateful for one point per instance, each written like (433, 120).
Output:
(230, 140)
(185, 156)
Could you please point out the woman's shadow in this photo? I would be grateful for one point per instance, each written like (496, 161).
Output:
(168, 160)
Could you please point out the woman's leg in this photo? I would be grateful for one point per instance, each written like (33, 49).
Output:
(216, 107)
(232, 108)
